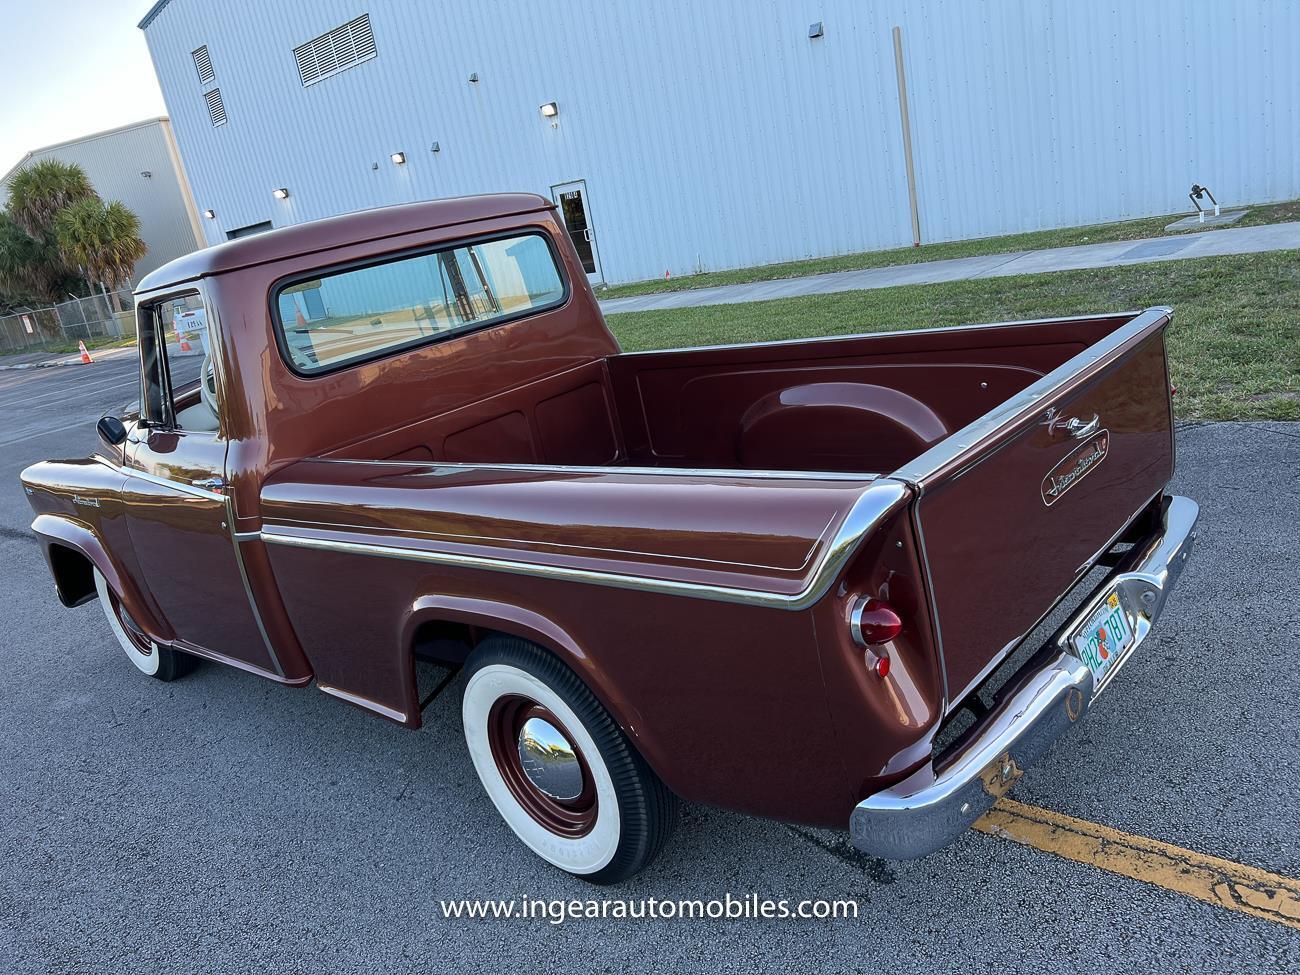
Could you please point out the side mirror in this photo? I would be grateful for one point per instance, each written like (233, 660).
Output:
(111, 430)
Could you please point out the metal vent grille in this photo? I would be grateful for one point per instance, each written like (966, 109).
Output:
(336, 51)
(203, 65)
(216, 108)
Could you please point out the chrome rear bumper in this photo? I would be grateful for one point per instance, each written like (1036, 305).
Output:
(934, 805)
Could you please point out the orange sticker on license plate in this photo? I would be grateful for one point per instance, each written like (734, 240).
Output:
(1104, 637)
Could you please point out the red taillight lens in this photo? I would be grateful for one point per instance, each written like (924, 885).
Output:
(873, 622)
(882, 666)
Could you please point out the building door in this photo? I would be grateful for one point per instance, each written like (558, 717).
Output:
(571, 198)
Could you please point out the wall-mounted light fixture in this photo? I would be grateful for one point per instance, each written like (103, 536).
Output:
(550, 110)
(281, 194)
(473, 79)
(435, 148)
(815, 30)
(398, 158)
(210, 214)
(146, 174)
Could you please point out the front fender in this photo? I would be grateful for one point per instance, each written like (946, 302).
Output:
(62, 532)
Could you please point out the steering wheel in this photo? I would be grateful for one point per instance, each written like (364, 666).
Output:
(208, 385)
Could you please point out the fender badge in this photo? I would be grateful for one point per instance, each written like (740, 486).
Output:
(1075, 466)
(88, 502)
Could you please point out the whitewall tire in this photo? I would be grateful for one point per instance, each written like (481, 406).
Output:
(557, 766)
(162, 663)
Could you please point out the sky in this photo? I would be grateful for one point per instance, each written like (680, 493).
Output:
(70, 68)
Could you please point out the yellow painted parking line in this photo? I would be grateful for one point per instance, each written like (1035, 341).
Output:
(1206, 878)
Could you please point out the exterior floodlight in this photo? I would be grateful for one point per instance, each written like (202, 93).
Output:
(281, 194)
(398, 158)
(210, 214)
(550, 110)
(815, 30)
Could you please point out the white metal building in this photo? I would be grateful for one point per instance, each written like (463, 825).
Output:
(692, 135)
(137, 164)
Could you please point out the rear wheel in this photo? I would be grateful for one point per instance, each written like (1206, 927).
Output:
(558, 767)
(159, 662)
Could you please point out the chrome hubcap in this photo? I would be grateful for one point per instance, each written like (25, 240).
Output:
(549, 760)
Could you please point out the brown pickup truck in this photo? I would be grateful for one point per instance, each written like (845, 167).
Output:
(789, 578)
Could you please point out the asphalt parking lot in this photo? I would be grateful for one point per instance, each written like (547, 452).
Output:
(223, 823)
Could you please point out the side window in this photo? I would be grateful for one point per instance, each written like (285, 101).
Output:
(349, 316)
(173, 338)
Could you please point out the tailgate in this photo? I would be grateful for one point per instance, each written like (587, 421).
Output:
(1017, 506)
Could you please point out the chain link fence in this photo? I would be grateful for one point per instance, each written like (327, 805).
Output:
(58, 328)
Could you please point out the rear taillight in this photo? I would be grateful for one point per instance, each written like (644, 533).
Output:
(873, 622)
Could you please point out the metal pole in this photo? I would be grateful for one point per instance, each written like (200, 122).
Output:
(907, 136)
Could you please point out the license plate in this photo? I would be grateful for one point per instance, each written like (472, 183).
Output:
(1103, 638)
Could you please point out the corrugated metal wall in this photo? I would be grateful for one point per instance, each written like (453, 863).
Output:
(715, 135)
(114, 162)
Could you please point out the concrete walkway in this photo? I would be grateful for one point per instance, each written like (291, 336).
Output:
(1233, 240)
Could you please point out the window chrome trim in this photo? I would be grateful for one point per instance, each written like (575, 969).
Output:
(876, 503)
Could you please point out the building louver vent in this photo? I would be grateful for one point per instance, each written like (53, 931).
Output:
(203, 64)
(216, 108)
(336, 51)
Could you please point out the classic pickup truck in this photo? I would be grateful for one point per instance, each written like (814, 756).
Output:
(795, 579)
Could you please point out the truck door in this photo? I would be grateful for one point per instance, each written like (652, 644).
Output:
(178, 512)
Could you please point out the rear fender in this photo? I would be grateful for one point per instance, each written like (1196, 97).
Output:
(502, 617)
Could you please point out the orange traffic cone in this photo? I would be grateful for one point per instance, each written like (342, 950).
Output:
(85, 356)
(185, 342)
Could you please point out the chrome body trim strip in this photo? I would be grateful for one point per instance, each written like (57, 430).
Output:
(876, 503)
(933, 806)
(364, 702)
(973, 438)
(235, 541)
(183, 486)
(438, 467)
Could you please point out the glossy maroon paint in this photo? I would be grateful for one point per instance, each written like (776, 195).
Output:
(768, 710)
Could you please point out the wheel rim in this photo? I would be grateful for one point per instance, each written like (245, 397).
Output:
(131, 628)
(542, 767)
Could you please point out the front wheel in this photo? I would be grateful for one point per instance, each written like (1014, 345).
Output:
(558, 767)
(162, 663)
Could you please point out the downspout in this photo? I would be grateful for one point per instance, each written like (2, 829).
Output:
(907, 136)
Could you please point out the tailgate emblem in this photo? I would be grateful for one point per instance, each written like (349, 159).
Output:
(1076, 465)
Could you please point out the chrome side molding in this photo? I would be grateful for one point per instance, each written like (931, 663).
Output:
(873, 506)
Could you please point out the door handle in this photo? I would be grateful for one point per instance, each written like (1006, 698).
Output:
(210, 483)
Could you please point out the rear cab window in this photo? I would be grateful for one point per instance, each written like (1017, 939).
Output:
(341, 317)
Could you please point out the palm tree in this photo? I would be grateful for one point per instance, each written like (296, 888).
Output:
(103, 239)
(32, 268)
(38, 192)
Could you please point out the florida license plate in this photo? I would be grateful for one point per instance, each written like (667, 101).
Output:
(1103, 638)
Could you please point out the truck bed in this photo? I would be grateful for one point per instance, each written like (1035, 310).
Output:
(738, 469)
(860, 404)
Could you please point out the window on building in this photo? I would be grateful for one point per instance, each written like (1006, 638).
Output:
(216, 107)
(336, 51)
(353, 315)
(203, 65)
